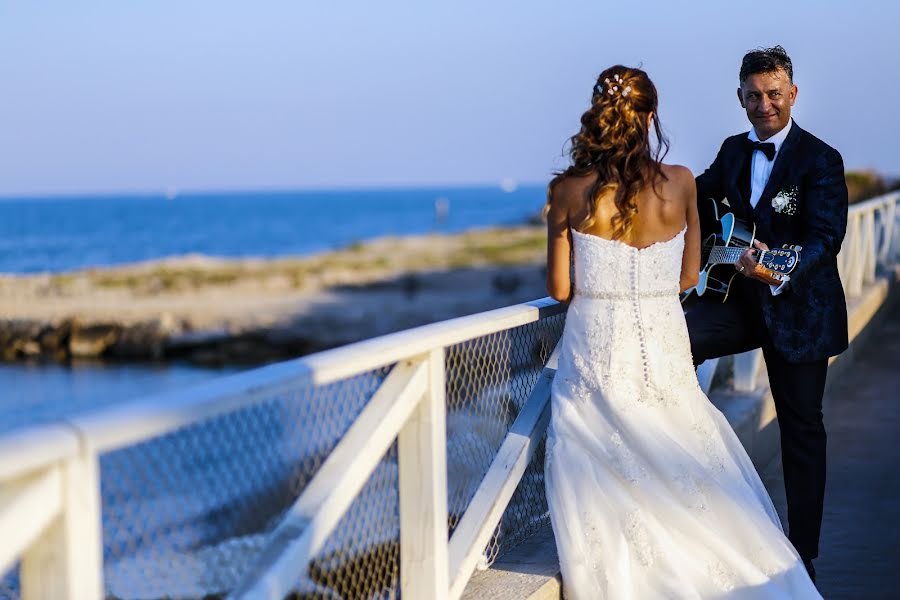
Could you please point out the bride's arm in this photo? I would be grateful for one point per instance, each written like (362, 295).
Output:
(559, 247)
(690, 261)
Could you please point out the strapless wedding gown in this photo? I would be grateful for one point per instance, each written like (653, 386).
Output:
(651, 494)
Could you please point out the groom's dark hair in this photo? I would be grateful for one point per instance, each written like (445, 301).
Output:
(766, 60)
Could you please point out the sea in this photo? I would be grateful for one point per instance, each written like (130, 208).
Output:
(184, 514)
(59, 234)
(183, 499)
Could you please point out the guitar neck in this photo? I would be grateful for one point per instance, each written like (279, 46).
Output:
(721, 255)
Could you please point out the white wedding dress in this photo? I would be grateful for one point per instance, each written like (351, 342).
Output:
(651, 494)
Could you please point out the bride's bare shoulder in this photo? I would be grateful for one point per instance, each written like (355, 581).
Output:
(570, 190)
(679, 179)
(677, 173)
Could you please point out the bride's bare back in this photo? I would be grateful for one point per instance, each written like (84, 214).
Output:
(662, 213)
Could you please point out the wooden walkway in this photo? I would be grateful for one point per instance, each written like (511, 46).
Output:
(859, 551)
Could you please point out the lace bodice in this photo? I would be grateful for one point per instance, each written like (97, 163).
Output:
(608, 268)
(626, 319)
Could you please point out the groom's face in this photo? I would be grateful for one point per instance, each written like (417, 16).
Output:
(768, 98)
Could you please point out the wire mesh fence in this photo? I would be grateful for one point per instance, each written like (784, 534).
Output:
(185, 515)
(188, 514)
(361, 559)
(489, 379)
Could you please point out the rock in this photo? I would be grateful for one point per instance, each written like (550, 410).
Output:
(54, 340)
(92, 340)
(17, 338)
(143, 340)
(190, 340)
(22, 329)
(31, 348)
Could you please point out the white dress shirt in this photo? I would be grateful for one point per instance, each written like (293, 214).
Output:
(760, 170)
(760, 166)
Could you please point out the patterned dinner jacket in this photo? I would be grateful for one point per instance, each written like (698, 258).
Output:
(805, 203)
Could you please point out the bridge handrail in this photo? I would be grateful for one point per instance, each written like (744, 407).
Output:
(161, 413)
(30, 451)
(49, 475)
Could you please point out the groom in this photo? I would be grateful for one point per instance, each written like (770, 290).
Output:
(791, 185)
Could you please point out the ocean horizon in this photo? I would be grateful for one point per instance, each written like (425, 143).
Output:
(65, 233)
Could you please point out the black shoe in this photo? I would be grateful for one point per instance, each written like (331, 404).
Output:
(810, 569)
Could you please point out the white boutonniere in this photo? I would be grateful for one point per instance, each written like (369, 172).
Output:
(785, 202)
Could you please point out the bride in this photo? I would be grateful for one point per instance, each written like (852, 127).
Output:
(651, 494)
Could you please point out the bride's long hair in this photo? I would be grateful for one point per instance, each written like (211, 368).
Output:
(615, 143)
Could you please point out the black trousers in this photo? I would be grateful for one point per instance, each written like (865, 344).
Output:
(718, 329)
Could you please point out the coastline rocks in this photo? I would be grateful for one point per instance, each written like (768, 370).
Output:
(222, 347)
(92, 341)
(252, 311)
(54, 341)
(71, 339)
(143, 340)
(318, 322)
(19, 338)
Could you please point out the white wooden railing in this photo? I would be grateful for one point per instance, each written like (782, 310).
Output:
(50, 509)
(50, 495)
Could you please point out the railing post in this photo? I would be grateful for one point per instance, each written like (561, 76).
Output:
(844, 257)
(422, 458)
(746, 366)
(851, 274)
(705, 372)
(870, 242)
(66, 562)
(890, 215)
(884, 239)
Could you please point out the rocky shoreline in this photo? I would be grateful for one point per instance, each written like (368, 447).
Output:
(251, 311)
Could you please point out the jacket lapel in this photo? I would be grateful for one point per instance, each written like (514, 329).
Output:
(782, 161)
(739, 203)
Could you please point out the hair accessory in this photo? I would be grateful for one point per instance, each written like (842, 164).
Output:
(613, 87)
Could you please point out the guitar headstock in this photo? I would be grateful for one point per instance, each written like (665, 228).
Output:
(781, 260)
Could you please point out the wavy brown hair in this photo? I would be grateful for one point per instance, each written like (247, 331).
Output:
(615, 143)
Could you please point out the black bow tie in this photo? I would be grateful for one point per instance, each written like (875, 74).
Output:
(767, 148)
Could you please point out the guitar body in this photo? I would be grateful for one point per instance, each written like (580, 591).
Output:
(720, 251)
(715, 279)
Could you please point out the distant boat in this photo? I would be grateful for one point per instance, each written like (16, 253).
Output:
(171, 193)
(508, 184)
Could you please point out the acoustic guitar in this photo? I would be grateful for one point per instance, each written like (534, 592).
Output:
(720, 251)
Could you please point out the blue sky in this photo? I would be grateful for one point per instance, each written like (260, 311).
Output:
(111, 97)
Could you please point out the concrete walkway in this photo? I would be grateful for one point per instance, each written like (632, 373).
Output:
(859, 551)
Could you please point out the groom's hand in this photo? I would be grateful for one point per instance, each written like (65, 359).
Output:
(746, 264)
(749, 267)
